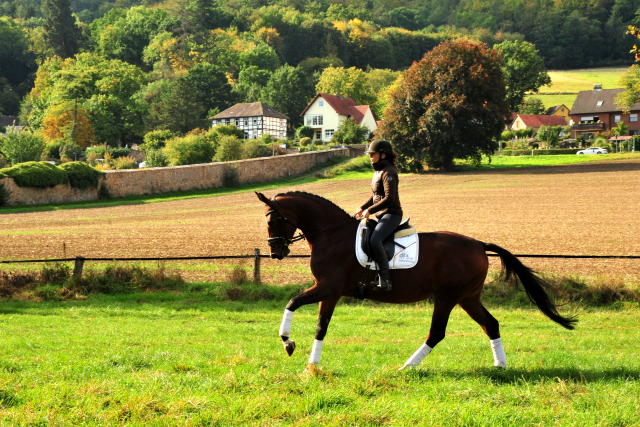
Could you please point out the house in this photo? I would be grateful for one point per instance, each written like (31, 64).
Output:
(326, 112)
(255, 119)
(559, 110)
(596, 111)
(524, 121)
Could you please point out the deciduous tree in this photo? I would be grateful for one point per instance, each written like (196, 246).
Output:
(532, 105)
(449, 105)
(350, 82)
(288, 91)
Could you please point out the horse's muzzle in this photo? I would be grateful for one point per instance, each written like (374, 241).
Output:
(279, 252)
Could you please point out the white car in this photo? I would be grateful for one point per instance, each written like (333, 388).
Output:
(593, 150)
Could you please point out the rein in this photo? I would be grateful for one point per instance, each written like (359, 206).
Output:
(286, 242)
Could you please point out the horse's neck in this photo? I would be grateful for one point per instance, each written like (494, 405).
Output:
(314, 216)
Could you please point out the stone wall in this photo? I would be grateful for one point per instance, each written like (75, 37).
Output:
(135, 182)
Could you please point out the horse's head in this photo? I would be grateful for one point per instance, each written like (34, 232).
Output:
(280, 228)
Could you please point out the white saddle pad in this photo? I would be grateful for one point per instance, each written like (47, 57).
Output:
(402, 258)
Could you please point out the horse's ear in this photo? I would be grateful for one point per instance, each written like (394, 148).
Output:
(263, 199)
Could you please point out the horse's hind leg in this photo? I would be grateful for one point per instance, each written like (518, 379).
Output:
(439, 320)
(324, 317)
(489, 324)
(312, 295)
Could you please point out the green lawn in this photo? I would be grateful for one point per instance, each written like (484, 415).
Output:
(507, 162)
(186, 360)
(553, 100)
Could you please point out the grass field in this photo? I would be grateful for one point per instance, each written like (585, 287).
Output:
(567, 83)
(508, 162)
(166, 359)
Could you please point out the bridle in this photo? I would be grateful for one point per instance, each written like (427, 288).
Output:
(281, 242)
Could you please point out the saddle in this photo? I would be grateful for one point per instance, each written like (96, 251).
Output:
(389, 244)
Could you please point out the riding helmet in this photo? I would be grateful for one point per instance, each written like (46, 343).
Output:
(380, 146)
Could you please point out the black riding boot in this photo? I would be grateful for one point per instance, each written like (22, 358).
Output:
(384, 282)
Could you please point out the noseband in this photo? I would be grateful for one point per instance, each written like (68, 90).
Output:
(281, 241)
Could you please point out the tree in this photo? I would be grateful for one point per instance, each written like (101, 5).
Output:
(22, 146)
(631, 82)
(61, 31)
(350, 82)
(211, 87)
(288, 91)
(229, 148)
(172, 105)
(17, 65)
(304, 132)
(532, 105)
(449, 105)
(550, 135)
(523, 70)
(349, 132)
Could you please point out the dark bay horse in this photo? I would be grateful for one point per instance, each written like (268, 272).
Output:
(451, 269)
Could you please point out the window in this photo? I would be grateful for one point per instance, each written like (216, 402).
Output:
(328, 133)
(246, 121)
(633, 117)
(616, 119)
(318, 134)
(600, 103)
(321, 103)
(237, 122)
(586, 119)
(563, 109)
(314, 121)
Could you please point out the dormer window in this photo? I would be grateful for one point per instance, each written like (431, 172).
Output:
(600, 103)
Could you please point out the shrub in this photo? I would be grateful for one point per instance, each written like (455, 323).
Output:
(52, 149)
(349, 132)
(97, 150)
(125, 163)
(22, 146)
(3, 161)
(156, 139)
(231, 177)
(71, 151)
(312, 147)
(507, 135)
(81, 175)
(304, 132)
(5, 194)
(156, 159)
(229, 148)
(189, 150)
(37, 174)
(305, 141)
(252, 148)
(119, 152)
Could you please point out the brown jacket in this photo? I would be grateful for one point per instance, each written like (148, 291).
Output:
(384, 186)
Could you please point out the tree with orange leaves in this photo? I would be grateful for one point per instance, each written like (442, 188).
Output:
(450, 105)
(58, 124)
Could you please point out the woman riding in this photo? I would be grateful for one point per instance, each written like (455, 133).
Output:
(384, 203)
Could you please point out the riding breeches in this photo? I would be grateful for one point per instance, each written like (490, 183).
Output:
(386, 225)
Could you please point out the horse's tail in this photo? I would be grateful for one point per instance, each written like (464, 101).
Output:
(533, 285)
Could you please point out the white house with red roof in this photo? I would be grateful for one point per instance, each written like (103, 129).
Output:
(325, 113)
(523, 121)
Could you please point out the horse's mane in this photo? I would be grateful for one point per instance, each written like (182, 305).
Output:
(304, 193)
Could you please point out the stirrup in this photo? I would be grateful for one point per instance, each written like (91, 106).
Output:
(381, 284)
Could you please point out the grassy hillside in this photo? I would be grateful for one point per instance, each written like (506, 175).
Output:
(566, 84)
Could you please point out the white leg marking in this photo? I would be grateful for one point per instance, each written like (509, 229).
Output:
(499, 358)
(316, 351)
(285, 326)
(417, 357)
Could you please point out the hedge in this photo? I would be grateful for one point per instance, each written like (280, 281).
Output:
(43, 175)
(537, 152)
(81, 175)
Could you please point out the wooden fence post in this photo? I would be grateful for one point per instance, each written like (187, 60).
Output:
(256, 267)
(77, 269)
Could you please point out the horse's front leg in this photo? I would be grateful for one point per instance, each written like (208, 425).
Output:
(324, 317)
(312, 295)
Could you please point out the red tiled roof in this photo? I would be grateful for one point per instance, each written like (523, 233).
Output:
(339, 103)
(620, 138)
(358, 112)
(535, 121)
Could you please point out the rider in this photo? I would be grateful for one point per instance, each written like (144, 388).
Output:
(384, 203)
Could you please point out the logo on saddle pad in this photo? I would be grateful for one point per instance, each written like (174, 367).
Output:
(405, 253)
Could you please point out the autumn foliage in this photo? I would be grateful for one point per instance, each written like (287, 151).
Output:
(449, 105)
(58, 124)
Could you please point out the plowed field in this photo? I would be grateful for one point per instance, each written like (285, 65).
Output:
(577, 209)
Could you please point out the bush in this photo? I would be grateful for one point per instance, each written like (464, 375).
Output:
(156, 159)
(231, 177)
(349, 132)
(22, 146)
(125, 163)
(3, 161)
(5, 194)
(52, 149)
(252, 148)
(71, 151)
(189, 150)
(229, 148)
(37, 174)
(305, 141)
(119, 152)
(304, 132)
(97, 150)
(156, 139)
(81, 175)
(507, 135)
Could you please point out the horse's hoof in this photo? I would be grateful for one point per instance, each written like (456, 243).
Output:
(289, 346)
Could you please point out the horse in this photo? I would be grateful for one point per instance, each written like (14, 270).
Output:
(451, 269)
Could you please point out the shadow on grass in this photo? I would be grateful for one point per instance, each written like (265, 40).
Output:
(512, 376)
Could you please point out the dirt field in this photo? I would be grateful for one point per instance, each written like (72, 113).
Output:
(577, 209)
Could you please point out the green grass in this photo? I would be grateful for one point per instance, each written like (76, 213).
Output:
(169, 359)
(553, 100)
(507, 162)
